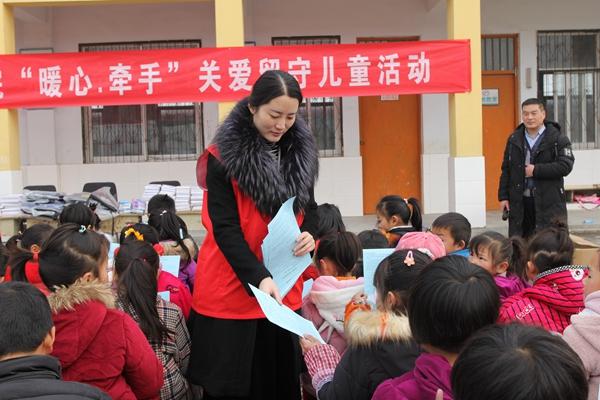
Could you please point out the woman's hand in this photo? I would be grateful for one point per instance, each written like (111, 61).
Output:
(308, 342)
(269, 286)
(304, 244)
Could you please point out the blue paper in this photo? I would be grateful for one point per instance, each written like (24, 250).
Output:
(278, 249)
(371, 259)
(284, 317)
(166, 295)
(170, 264)
(307, 287)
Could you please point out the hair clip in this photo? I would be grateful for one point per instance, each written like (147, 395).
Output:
(82, 229)
(181, 233)
(163, 212)
(132, 231)
(409, 260)
(160, 250)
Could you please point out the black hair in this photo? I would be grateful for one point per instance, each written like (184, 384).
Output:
(34, 235)
(458, 225)
(500, 249)
(551, 248)
(373, 239)
(396, 274)
(170, 227)
(70, 252)
(408, 210)
(518, 362)
(150, 234)
(342, 248)
(80, 214)
(330, 220)
(534, 101)
(161, 202)
(450, 300)
(3, 258)
(136, 267)
(272, 84)
(25, 318)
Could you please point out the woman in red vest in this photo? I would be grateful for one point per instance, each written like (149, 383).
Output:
(261, 156)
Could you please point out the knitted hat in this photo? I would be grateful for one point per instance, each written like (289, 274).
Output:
(426, 242)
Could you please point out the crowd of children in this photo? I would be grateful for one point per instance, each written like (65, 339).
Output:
(453, 317)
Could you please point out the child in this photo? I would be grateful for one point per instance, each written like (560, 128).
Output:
(31, 239)
(557, 291)
(335, 257)
(502, 257)
(396, 216)
(136, 270)
(517, 362)
(582, 334)
(455, 231)
(370, 239)
(450, 301)
(3, 260)
(179, 293)
(26, 369)
(380, 345)
(330, 220)
(82, 214)
(175, 240)
(95, 343)
(426, 242)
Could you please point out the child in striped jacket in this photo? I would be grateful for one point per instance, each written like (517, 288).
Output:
(557, 291)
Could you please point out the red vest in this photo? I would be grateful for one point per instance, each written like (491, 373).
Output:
(218, 292)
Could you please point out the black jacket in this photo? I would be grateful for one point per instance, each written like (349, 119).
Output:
(38, 377)
(369, 358)
(553, 161)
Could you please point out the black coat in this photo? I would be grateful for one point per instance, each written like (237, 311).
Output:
(38, 377)
(553, 161)
(370, 359)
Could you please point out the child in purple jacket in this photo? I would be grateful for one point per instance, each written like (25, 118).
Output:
(449, 301)
(502, 257)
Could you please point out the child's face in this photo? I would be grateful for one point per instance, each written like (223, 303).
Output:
(482, 258)
(383, 223)
(446, 237)
(591, 284)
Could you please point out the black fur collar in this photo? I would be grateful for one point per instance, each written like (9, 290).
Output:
(245, 156)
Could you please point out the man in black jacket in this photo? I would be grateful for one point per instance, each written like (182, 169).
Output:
(537, 157)
(26, 338)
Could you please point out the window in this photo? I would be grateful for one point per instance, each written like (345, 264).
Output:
(498, 53)
(323, 114)
(568, 76)
(134, 133)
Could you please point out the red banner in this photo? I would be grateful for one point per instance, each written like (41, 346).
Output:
(227, 74)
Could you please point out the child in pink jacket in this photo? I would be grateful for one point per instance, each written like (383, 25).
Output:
(583, 335)
(557, 291)
(335, 259)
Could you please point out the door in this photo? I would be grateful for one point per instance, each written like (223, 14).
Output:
(500, 108)
(390, 144)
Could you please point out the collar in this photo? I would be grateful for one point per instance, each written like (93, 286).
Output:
(537, 135)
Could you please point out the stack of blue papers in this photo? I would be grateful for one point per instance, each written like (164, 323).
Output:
(278, 249)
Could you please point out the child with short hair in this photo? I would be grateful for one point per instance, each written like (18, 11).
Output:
(397, 216)
(111, 351)
(557, 291)
(335, 259)
(179, 293)
(176, 240)
(518, 362)
(455, 231)
(26, 369)
(136, 270)
(502, 257)
(380, 345)
(582, 334)
(330, 220)
(450, 300)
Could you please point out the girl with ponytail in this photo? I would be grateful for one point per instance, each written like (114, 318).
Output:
(136, 274)
(397, 216)
(557, 291)
(95, 343)
(179, 293)
(175, 239)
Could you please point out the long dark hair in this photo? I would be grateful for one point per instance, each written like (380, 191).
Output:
(551, 248)
(342, 248)
(500, 249)
(272, 84)
(170, 227)
(330, 220)
(408, 210)
(80, 214)
(34, 235)
(136, 266)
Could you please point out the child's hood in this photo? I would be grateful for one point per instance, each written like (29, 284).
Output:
(365, 328)
(330, 296)
(509, 285)
(561, 288)
(432, 372)
(173, 249)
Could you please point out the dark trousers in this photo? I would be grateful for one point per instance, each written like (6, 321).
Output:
(528, 216)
